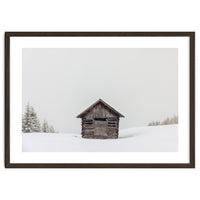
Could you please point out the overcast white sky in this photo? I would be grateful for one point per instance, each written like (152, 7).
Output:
(142, 84)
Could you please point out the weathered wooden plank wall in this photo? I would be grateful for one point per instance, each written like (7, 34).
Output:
(101, 123)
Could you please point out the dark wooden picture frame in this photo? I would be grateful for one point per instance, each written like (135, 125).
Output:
(190, 35)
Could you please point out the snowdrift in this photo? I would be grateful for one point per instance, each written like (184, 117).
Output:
(142, 139)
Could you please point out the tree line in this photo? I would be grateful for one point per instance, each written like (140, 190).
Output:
(167, 121)
(31, 122)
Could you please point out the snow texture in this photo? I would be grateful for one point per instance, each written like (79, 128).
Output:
(143, 139)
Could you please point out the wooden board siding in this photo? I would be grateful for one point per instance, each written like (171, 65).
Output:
(99, 111)
(100, 129)
(100, 121)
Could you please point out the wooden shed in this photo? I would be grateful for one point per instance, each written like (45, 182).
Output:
(100, 121)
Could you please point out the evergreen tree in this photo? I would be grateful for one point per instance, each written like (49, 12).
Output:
(45, 127)
(30, 121)
(27, 120)
(35, 121)
(51, 129)
(167, 121)
(23, 123)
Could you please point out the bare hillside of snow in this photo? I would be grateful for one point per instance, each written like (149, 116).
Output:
(143, 139)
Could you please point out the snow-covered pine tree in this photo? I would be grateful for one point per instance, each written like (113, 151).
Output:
(27, 120)
(45, 127)
(35, 125)
(23, 123)
(30, 121)
(51, 129)
(167, 121)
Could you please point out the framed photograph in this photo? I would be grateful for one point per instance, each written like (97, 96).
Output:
(99, 99)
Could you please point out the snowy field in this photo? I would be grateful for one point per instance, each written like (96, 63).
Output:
(143, 139)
